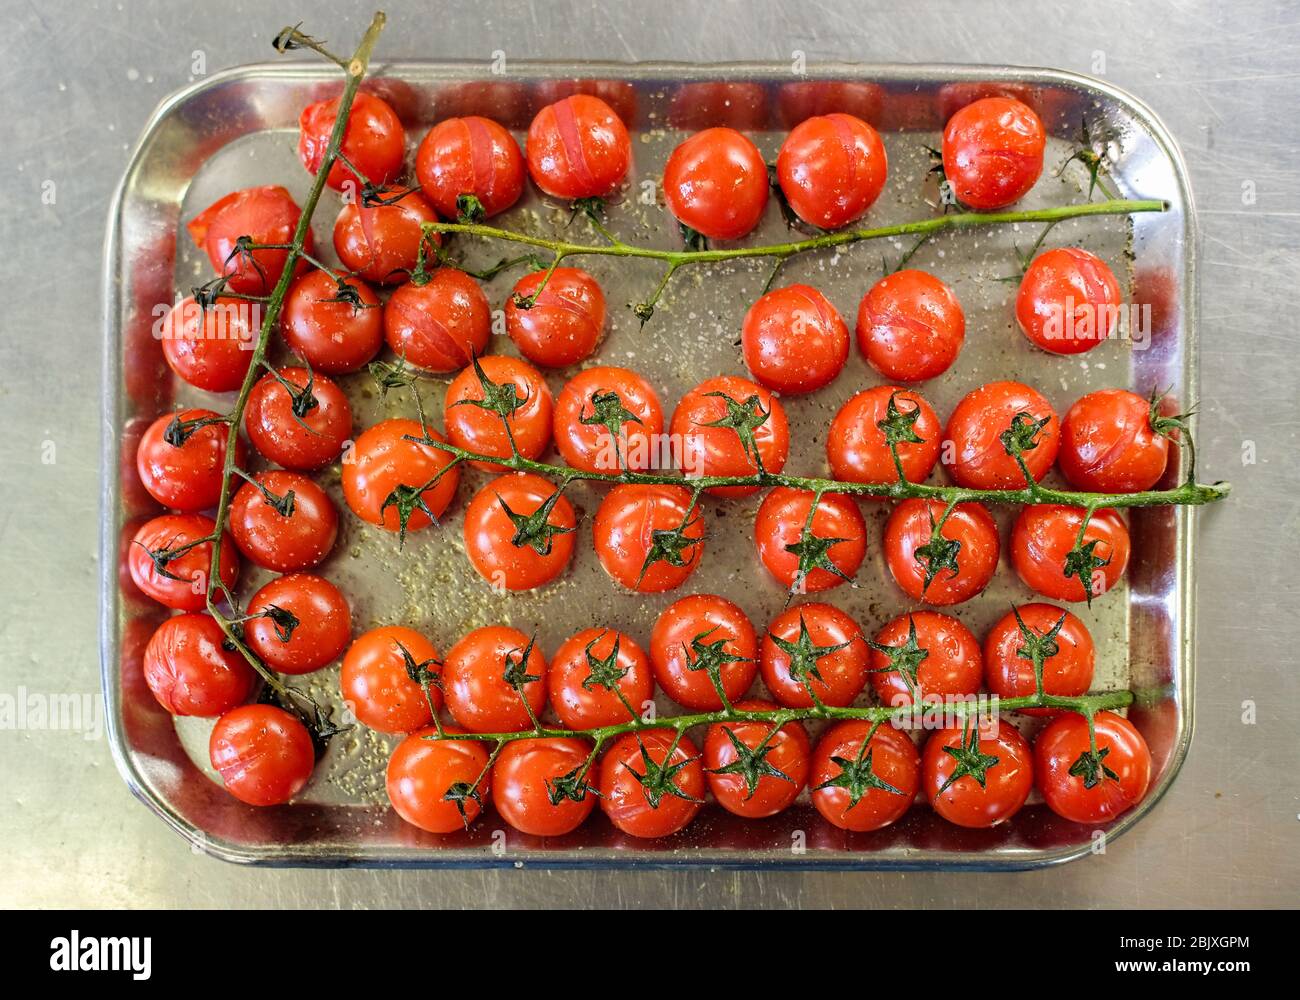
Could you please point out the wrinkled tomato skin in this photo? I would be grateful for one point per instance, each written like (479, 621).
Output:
(856, 448)
(979, 460)
(623, 533)
(580, 705)
(284, 544)
(780, 523)
(303, 442)
(440, 325)
(268, 215)
(578, 148)
(794, 341)
(1109, 446)
(590, 447)
(1067, 673)
(478, 430)
(910, 326)
(708, 618)
(323, 630)
(211, 348)
(564, 324)
(953, 664)
(375, 683)
(1064, 740)
(843, 672)
(264, 755)
(716, 183)
(381, 243)
(1006, 786)
(1043, 536)
(489, 531)
(174, 531)
(789, 753)
(474, 686)
(993, 152)
(382, 459)
(894, 759)
(185, 477)
(519, 786)
(191, 671)
(373, 141)
(831, 169)
(333, 337)
(908, 528)
(717, 451)
(623, 799)
(422, 770)
(472, 156)
(1068, 301)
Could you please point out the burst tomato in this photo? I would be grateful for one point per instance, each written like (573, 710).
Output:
(724, 424)
(381, 243)
(266, 215)
(843, 765)
(374, 141)
(607, 419)
(578, 148)
(192, 670)
(474, 428)
(831, 169)
(505, 543)
(960, 562)
(263, 754)
(836, 535)
(421, 773)
(385, 458)
(1109, 443)
(649, 538)
(307, 624)
(599, 677)
(1068, 661)
(1068, 301)
(181, 459)
(525, 790)
(169, 561)
(910, 326)
(698, 638)
(376, 679)
(470, 156)
(856, 446)
(818, 647)
(743, 781)
(977, 775)
(979, 459)
(477, 680)
(334, 337)
(716, 183)
(298, 419)
(564, 322)
(210, 348)
(651, 783)
(439, 325)
(793, 340)
(925, 653)
(268, 537)
(993, 152)
(1043, 538)
(1086, 787)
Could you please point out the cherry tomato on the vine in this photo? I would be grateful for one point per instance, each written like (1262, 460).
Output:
(269, 538)
(793, 340)
(578, 148)
(510, 540)
(1089, 787)
(856, 445)
(716, 183)
(651, 783)
(169, 560)
(910, 326)
(1068, 301)
(181, 459)
(977, 775)
(562, 323)
(381, 242)
(385, 458)
(488, 674)
(590, 686)
(978, 458)
(924, 653)
(831, 169)
(265, 215)
(993, 152)
(814, 646)
(850, 794)
(306, 623)
(649, 538)
(958, 563)
(374, 141)
(377, 684)
(298, 419)
(743, 782)
(470, 156)
(529, 786)
(421, 773)
(727, 425)
(210, 348)
(1109, 443)
(263, 754)
(1068, 654)
(810, 557)
(192, 670)
(441, 324)
(334, 337)
(475, 428)
(607, 419)
(1043, 538)
(698, 638)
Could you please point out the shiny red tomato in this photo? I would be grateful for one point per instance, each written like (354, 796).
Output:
(926, 653)
(724, 424)
(308, 623)
(374, 141)
(856, 446)
(599, 677)
(578, 148)
(263, 754)
(267, 216)
(439, 325)
(1068, 302)
(564, 322)
(607, 419)
(910, 326)
(510, 548)
(716, 183)
(470, 156)
(798, 563)
(477, 675)
(377, 684)
(993, 152)
(192, 669)
(535, 786)
(298, 419)
(794, 341)
(742, 780)
(270, 539)
(381, 243)
(864, 780)
(831, 169)
(960, 562)
(1109, 443)
(428, 781)
(169, 560)
(181, 459)
(383, 459)
(818, 648)
(1088, 787)
(651, 783)
(700, 640)
(978, 458)
(1045, 534)
(618, 94)
(649, 538)
(1009, 668)
(476, 429)
(210, 348)
(333, 337)
(977, 775)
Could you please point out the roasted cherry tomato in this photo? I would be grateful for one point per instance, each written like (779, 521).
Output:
(599, 677)
(924, 653)
(578, 148)
(1068, 301)
(807, 558)
(535, 786)
(263, 754)
(474, 428)
(192, 669)
(510, 547)
(421, 773)
(374, 141)
(210, 348)
(724, 424)
(484, 680)
(818, 647)
(856, 446)
(743, 781)
(651, 783)
(979, 459)
(977, 775)
(181, 458)
(331, 335)
(958, 555)
(649, 538)
(470, 156)
(864, 780)
(265, 215)
(910, 326)
(561, 324)
(439, 325)
(607, 419)
(716, 183)
(1045, 534)
(170, 563)
(298, 419)
(271, 539)
(1086, 786)
(381, 242)
(306, 623)
(993, 152)
(1110, 443)
(699, 642)
(1066, 646)
(831, 169)
(794, 340)
(377, 684)
(384, 458)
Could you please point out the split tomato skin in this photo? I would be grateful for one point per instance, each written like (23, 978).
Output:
(565, 323)
(175, 532)
(300, 441)
(478, 430)
(910, 326)
(718, 451)
(716, 183)
(843, 671)
(673, 652)
(474, 685)
(334, 338)
(780, 523)
(381, 243)
(422, 770)
(211, 349)
(264, 755)
(489, 532)
(385, 457)
(1065, 740)
(578, 148)
(191, 670)
(856, 447)
(993, 152)
(968, 802)
(1108, 444)
(374, 141)
(439, 325)
(788, 751)
(894, 759)
(323, 630)
(831, 169)
(273, 541)
(625, 530)
(185, 477)
(590, 446)
(470, 156)
(1066, 673)
(267, 215)
(582, 703)
(794, 341)
(521, 780)
(1068, 301)
(375, 683)
(978, 458)
(953, 664)
(969, 524)
(1042, 538)
(623, 798)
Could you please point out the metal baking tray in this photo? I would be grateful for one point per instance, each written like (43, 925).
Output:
(237, 128)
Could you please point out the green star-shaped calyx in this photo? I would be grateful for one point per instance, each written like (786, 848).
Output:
(971, 762)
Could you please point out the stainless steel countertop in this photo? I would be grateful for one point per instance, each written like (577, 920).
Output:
(79, 83)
